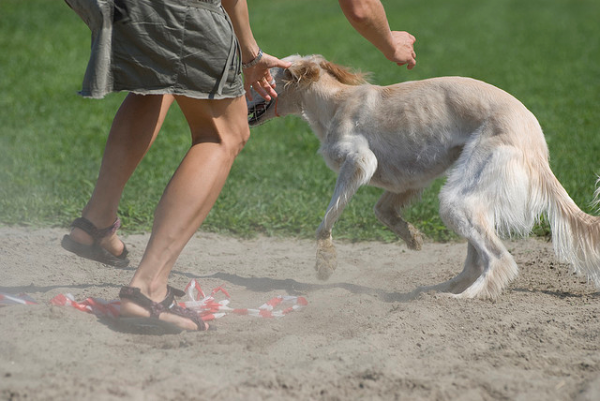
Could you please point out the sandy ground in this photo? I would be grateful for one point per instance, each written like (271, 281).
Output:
(360, 337)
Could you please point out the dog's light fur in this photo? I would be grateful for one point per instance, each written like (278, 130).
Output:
(401, 137)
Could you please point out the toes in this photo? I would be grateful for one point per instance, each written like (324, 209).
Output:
(114, 245)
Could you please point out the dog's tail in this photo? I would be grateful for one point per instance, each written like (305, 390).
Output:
(575, 234)
(525, 188)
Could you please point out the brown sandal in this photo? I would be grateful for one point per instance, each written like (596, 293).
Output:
(168, 305)
(95, 251)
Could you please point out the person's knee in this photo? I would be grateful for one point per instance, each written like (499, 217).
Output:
(239, 140)
(223, 122)
(234, 141)
(237, 127)
(231, 140)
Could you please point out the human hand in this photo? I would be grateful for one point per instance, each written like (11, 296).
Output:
(403, 52)
(258, 77)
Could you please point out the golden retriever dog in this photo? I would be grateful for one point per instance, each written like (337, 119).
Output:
(401, 137)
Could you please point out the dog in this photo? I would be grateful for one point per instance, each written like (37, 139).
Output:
(401, 137)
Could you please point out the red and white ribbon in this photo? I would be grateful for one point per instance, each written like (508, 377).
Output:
(21, 299)
(207, 306)
(98, 306)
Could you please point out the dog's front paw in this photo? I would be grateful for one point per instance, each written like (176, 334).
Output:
(414, 239)
(326, 259)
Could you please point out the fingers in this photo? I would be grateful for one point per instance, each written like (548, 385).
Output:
(259, 78)
(410, 65)
(261, 85)
(265, 88)
(405, 51)
(272, 62)
(282, 64)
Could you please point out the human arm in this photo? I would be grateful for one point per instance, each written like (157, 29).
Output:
(258, 76)
(369, 19)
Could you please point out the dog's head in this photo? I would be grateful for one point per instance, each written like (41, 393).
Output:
(290, 84)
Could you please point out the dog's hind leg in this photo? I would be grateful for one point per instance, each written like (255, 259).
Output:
(469, 204)
(489, 267)
(356, 170)
(387, 211)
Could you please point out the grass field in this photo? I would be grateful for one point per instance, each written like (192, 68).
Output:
(545, 52)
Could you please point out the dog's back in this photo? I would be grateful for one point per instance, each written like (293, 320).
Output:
(417, 130)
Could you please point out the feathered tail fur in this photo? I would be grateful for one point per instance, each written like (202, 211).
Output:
(575, 234)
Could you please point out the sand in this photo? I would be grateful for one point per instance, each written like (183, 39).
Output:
(361, 336)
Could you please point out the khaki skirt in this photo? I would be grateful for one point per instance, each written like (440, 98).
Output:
(180, 47)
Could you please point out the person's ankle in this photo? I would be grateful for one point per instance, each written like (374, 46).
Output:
(80, 236)
(155, 291)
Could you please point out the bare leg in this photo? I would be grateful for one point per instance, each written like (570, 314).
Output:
(134, 129)
(219, 132)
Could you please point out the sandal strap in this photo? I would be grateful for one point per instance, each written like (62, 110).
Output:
(168, 305)
(96, 233)
(188, 314)
(155, 308)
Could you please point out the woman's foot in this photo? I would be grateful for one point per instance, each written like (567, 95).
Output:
(102, 245)
(111, 243)
(136, 305)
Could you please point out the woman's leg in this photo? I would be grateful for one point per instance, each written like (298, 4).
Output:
(133, 131)
(219, 131)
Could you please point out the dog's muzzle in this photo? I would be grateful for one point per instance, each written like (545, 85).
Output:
(257, 110)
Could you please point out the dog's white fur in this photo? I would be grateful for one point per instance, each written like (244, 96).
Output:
(401, 137)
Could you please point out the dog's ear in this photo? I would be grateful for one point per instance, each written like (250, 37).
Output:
(302, 73)
(343, 74)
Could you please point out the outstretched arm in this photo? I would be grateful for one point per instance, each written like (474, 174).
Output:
(368, 17)
(258, 75)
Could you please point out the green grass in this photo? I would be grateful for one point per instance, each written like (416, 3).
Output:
(545, 52)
